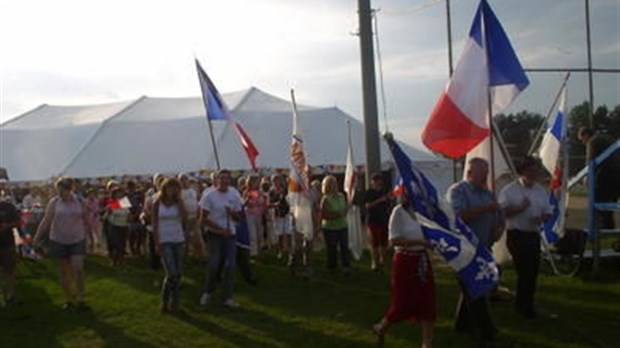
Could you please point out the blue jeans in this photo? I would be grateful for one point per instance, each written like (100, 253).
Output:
(221, 250)
(172, 258)
(334, 240)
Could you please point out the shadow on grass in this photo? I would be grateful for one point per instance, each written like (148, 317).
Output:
(45, 322)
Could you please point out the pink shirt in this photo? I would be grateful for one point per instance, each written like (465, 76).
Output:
(68, 221)
(256, 203)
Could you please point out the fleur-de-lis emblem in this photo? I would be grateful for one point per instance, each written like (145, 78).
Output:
(486, 270)
(444, 247)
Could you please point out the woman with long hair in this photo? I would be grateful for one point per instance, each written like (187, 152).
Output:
(66, 220)
(168, 217)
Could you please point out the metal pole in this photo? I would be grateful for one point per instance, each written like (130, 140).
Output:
(589, 45)
(449, 30)
(593, 231)
(450, 72)
(371, 121)
(543, 127)
(491, 137)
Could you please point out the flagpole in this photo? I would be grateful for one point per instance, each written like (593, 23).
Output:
(349, 153)
(491, 137)
(542, 128)
(304, 182)
(450, 72)
(489, 107)
(217, 157)
(294, 104)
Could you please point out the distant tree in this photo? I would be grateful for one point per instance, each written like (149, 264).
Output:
(519, 130)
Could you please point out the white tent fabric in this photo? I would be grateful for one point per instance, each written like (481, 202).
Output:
(170, 135)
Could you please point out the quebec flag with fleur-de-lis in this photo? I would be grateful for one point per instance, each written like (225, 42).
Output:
(448, 234)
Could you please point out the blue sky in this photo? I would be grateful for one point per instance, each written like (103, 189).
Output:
(82, 52)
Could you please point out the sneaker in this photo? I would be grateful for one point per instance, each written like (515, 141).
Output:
(204, 299)
(379, 333)
(231, 303)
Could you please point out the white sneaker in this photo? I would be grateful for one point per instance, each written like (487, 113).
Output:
(204, 299)
(230, 303)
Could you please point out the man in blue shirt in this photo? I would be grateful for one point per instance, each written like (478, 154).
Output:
(476, 206)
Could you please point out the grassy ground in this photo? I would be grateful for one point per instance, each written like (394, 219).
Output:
(283, 311)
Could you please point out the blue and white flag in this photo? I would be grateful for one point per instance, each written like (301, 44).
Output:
(448, 234)
(553, 143)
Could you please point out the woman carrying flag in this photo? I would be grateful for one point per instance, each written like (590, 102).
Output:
(412, 293)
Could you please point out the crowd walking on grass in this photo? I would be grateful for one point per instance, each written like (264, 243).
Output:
(229, 223)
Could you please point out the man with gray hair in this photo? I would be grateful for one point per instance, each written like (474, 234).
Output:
(476, 206)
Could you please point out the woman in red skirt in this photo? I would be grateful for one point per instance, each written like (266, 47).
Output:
(412, 284)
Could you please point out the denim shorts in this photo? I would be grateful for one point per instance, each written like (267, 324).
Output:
(63, 251)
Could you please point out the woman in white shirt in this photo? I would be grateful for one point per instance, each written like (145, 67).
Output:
(412, 293)
(168, 216)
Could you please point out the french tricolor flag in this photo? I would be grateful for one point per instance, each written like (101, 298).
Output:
(217, 110)
(488, 68)
(553, 142)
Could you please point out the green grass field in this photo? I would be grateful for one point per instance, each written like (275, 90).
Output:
(284, 311)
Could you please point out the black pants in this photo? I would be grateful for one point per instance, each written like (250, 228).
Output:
(154, 259)
(334, 240)
(524, 247)
(607, 191)
(472, 315)
(243, 265)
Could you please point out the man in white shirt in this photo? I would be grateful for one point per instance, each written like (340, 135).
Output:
(192, 233)
(526, 207)
(221, 209)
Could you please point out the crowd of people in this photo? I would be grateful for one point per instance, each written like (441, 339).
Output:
(229, 220)
(232, 222)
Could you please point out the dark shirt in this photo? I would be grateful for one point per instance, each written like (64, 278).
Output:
(380, 213)
(281, 204)
(136, 200)
(8, 214)
(596, 146)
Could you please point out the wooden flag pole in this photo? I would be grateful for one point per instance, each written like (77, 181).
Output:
(217, 157)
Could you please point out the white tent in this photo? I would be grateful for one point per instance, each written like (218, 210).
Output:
(169, 135)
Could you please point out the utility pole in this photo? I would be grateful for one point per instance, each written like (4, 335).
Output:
(589, 48)
(369, 91)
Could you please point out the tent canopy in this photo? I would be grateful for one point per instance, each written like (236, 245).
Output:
(169, 135)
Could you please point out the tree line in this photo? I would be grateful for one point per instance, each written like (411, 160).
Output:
(519, 130)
